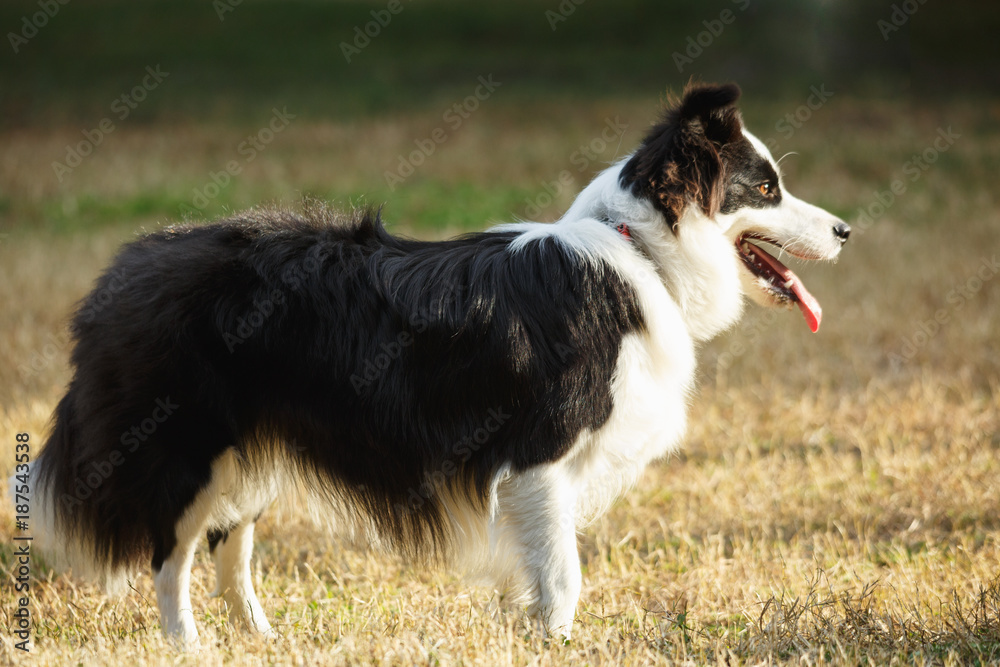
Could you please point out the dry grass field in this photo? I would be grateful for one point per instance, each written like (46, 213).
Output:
(837, 498)
(833, 503)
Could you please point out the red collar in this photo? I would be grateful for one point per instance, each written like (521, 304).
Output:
(622, 229)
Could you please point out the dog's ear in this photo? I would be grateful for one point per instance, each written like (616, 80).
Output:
(678, 163)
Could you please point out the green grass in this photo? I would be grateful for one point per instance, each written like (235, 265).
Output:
(423, 207)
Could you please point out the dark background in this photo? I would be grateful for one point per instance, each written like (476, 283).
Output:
(228, 69)
(265, 53)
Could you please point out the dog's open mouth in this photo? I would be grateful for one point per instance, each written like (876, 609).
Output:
(777, 279)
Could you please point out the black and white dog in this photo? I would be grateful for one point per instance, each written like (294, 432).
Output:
(477, 400)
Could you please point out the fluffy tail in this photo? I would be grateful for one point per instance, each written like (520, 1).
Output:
(50, 526)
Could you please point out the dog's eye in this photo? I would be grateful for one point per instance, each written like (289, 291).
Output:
(765, 189)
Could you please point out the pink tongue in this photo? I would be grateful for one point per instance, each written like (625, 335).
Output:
(807, 302)
(808, 305)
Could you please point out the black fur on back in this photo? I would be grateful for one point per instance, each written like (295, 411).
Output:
(369, 359)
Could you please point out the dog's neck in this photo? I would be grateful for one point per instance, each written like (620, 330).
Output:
(696, 263)
(620, 227)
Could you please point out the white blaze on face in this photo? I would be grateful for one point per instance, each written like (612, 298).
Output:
(796, 227)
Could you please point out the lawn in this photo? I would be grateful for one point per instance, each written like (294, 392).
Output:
(837, 499)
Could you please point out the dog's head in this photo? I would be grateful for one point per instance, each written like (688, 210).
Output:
(701, 156)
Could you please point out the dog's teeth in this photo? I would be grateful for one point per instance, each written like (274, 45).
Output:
(746, 248)
(788, 285)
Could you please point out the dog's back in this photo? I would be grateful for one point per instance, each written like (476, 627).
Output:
(367, 363)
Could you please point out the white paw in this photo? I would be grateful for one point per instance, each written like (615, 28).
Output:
(184, 635)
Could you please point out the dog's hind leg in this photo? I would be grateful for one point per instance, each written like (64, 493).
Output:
(232, 550)
(217, 536)
(541, 510)
(172, 577)
(174, 546)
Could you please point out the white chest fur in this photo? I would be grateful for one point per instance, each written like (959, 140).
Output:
(652, 382)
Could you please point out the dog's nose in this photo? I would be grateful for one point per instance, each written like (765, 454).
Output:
(842, 230)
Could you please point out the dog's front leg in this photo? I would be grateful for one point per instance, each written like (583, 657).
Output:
(557, 568)
(543, 509)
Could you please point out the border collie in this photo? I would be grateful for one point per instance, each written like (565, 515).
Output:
(475, 400)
